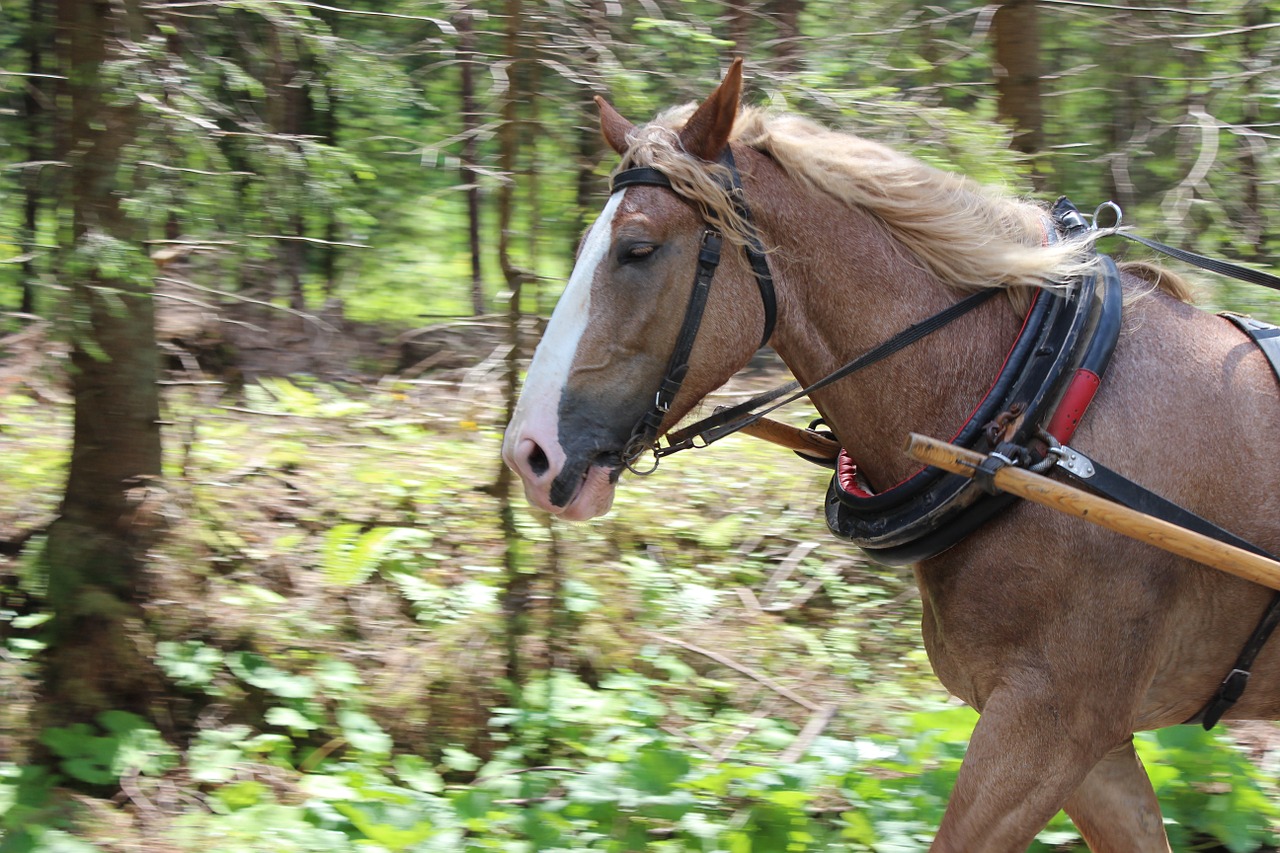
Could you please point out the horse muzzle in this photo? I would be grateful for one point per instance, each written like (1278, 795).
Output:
(575, 490)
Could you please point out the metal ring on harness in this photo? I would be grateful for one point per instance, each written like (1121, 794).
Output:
(1110, 207)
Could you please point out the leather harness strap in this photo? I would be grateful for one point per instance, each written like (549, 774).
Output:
(1058, 357)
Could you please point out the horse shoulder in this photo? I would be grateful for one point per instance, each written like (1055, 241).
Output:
(1191, 410)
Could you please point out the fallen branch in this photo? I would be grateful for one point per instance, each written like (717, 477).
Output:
(741, 668)
(808, 734)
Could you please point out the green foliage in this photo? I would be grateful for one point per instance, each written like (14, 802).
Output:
(351, 553)
(122, 743)
(1207, 788)
(314, 654)
(334, 585)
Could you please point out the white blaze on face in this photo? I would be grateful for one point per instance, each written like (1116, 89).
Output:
(549, 371)
(536, 418)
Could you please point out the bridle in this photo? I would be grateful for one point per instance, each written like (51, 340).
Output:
(644, 436)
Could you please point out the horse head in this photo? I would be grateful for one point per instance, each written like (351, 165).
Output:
(608, 346)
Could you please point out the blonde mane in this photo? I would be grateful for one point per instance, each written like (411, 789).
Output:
(969, 235)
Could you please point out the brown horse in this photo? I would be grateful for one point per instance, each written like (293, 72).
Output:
(1066, 638)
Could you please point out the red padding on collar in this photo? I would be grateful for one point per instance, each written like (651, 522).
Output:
(1071, 408)
(847, 474)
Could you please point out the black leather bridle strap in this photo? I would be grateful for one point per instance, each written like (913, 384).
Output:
(646, 430)
(754, 249)
(728, 421)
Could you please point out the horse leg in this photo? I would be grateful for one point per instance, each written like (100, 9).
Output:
(1025, 759)
(1115, 809)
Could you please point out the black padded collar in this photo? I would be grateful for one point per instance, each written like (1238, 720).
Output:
(1066, 329)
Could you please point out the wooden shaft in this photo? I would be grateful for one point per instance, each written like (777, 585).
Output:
(1100, 511)
(804, 441)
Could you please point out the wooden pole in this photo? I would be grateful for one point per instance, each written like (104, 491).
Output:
(1102, 512)
(804, 441)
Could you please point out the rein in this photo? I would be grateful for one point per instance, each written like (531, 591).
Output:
(734, 418)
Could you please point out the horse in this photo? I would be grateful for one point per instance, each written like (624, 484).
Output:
(1065, 638)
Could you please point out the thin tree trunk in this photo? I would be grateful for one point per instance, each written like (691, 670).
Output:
(470, 150)
(740, 26)
(33, 105)
(1255, 14)
(284, 107)
(110, 515)
(1015, 30)
(786, 47)
(327, 127)
(589, 144)
(518, 582)
(532, 82)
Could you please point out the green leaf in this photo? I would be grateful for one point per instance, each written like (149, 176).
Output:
(290, 718)
(363, 733)
(349, 556)
(254, 670)
(418, 774)
(395, 826)
(459, 759)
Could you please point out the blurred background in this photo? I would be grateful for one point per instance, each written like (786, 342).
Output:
(270, 271)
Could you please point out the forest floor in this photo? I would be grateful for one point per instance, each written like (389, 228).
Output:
(331, 601)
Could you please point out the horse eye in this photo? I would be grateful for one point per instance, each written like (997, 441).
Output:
(633, 252)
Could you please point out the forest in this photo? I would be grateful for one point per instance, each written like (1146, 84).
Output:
(270, 272)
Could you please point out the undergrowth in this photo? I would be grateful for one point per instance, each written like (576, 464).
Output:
(706, 669)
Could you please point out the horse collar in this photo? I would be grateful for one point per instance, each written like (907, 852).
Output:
(645, 433)
(1047, 381)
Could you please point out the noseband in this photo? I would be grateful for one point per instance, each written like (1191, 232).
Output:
(645, 433)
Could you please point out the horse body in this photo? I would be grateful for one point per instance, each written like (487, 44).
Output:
(1065, 638)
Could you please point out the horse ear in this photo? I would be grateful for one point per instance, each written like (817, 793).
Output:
(615, 128)
(707, 132)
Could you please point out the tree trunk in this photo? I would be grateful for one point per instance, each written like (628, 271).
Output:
(740, 13)
(285, 107)
(518, 582)
(470, 151)
(1255, 14)
(530, 82)
(110, 516)
(33, 106)
(1015, 30)
(785, 15)
(589, 186)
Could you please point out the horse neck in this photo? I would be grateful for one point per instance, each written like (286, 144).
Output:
(844, 285)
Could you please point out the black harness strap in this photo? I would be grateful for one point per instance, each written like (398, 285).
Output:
(1114, 486)
(1213, 265)
(730, 420)
(1267, 337)
(646, 430)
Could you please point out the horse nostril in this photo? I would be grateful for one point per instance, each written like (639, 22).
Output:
(538, 462)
